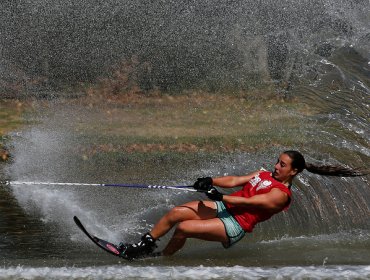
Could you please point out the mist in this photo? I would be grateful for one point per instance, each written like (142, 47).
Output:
(175, 45)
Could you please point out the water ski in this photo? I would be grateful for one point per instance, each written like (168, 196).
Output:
(105, 245)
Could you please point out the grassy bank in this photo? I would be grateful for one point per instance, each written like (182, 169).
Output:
(183, 123)
(11, 118)
(190, 123)
(10, 115)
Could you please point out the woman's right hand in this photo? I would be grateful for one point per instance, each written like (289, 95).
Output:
(203, 184)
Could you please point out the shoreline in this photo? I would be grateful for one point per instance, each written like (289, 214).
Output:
(191, 122)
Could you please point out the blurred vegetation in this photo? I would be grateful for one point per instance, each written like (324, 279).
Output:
(10, 119)
(134, 77)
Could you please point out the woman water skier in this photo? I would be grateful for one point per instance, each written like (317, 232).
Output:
(227, 217)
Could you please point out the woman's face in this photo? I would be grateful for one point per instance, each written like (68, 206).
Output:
(283, 169)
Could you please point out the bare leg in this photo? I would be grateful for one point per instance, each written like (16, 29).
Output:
(211, 230)
(196, 219)
(184, 214)
(195, 210)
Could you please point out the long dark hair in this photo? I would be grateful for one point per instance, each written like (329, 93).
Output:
(299, 163)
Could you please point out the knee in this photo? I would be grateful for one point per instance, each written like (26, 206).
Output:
(175, 215)
(181, 231)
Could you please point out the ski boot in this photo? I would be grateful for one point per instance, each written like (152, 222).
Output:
(139, 250)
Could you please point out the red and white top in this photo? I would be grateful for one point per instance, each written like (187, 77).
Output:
(260, 184)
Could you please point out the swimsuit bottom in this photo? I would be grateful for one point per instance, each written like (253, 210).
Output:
(233, 230)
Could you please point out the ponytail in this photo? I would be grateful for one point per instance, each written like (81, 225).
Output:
(334, 170)
(299, 163)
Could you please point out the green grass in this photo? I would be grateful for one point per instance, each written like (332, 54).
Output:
(184, 123)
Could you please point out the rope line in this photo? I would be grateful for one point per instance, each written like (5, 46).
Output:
(183, 188)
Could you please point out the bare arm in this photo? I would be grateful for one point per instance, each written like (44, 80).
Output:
(273, 201)
(233, 181)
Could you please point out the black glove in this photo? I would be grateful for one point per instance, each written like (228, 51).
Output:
(214, 194)
(203, 184)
